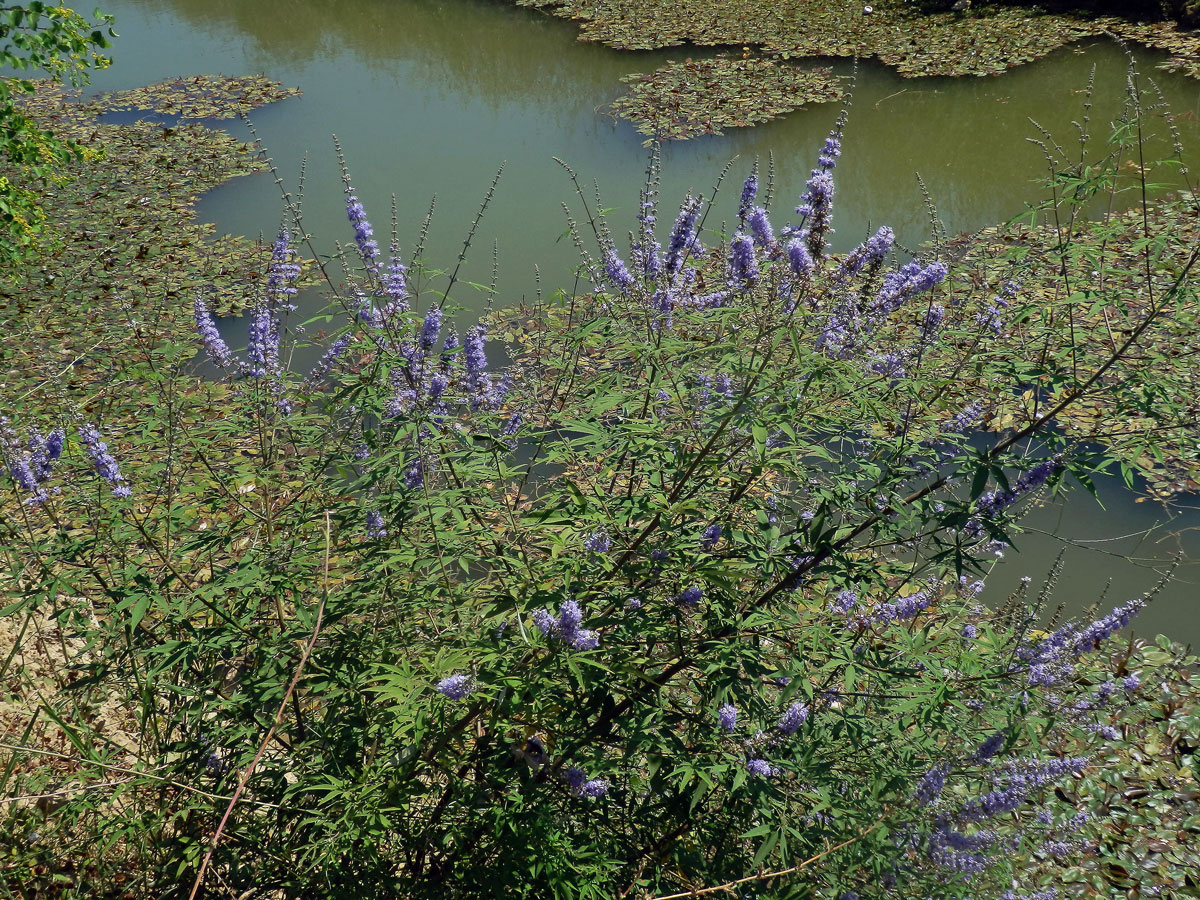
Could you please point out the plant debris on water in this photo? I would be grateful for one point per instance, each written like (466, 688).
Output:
(686, 99)
(1086, 324)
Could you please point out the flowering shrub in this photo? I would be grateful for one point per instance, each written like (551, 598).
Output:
(685, 600)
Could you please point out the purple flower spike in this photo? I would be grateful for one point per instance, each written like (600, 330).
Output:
(395, 283)
(214, 345)
(598, 542)
(683, 236)
(29, 469)
(991, 504)
(618, 272)
(711, 536)
(414, 475)
(263, 347)
(760, 228)
(869, 256)
(830, 151)
(799, 258)
(743, 265)
(582, 786)
(479, 384)
(456, 687)
(749, 192)
(931, 784)
(593, 788)
(331, 356)
(816, 205)
(844, 601)
(567, 626)
(364, 235)
(759, 767)
(989, 748)
(282, 273)
(795, 716)
(512, 425)
(375, 525)
(430, 329)
(691, 595)
(727, 717)
(103, 461)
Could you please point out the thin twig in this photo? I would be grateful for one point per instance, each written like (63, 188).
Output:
(212, 844)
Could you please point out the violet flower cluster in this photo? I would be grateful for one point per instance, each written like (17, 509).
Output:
(795, 716)
(582, 786)
(727, 717)
(989, 506)
(567, 626)
(103, 461)
(664, 281)
(30, 463)
(263, 363)
(456, 687)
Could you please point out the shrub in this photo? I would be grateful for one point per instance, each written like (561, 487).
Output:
(685, 600)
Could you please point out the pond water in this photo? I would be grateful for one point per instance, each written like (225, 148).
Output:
(431, 96)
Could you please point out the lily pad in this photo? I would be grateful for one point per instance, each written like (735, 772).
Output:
(196, 97)
(682, 100)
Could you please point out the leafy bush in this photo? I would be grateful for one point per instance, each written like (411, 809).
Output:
(64, 45)
(684, 600)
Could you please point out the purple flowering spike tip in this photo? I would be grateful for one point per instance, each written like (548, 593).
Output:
(103, 461)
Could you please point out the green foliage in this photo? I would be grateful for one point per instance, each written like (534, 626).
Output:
(239, 627)
(63, 45)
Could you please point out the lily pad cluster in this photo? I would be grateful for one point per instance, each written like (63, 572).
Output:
(985, 40)
(197, 97)
(1146, 789)
(1183, 45)
(686, 99)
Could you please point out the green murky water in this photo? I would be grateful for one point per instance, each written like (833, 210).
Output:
(431, 97)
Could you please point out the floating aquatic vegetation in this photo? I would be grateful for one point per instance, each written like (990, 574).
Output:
(1184, 46)
(686, 99)
(196, 97)
(985, 41)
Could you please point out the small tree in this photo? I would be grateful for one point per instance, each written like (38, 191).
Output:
(63, 45)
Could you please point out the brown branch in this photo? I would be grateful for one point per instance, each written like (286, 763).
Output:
(730, 885)
(212, 844)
